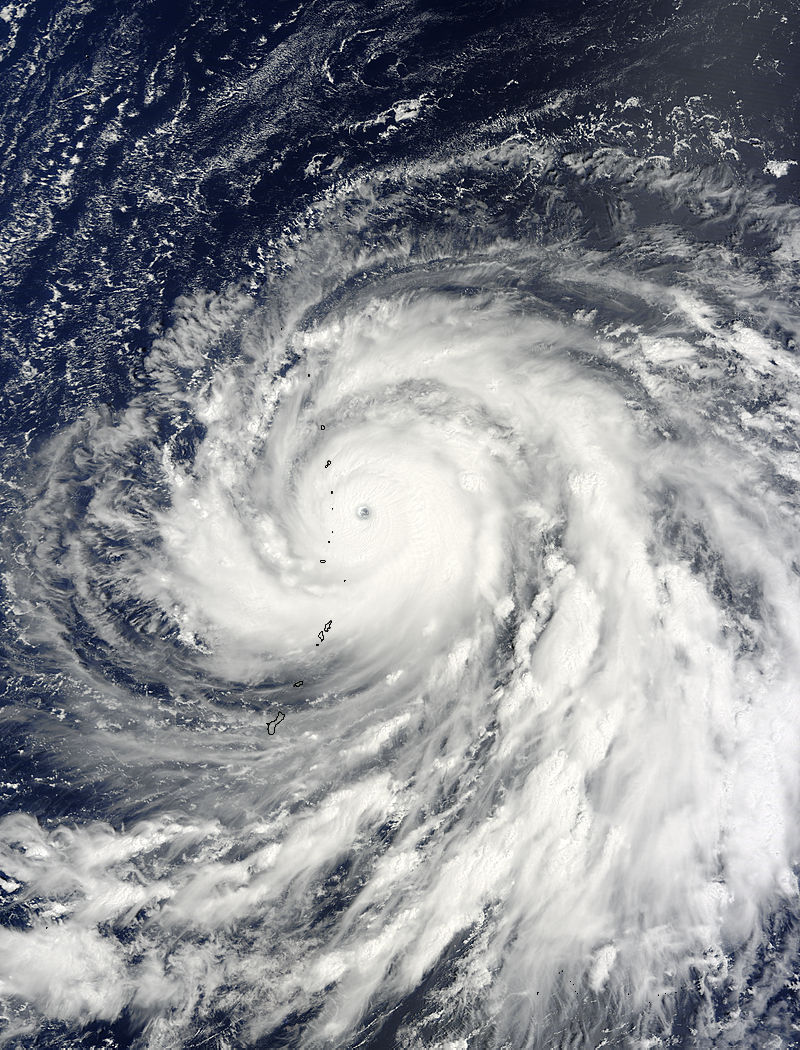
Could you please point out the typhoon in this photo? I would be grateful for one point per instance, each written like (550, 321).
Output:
(400, 599)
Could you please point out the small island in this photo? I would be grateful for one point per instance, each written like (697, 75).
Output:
(271, 725)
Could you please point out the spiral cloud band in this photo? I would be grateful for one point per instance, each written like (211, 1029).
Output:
(490, 492)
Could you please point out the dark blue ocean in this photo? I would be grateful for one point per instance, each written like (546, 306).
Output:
(400, 490)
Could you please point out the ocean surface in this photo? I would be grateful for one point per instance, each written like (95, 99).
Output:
(400, 491)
